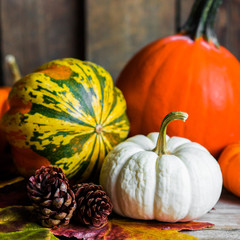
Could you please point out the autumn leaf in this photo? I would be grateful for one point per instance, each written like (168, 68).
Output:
(11, 181)
(81, 232)
(36, 234)
(192, 225)
(18, 222)
(124, 228)
(142, 231)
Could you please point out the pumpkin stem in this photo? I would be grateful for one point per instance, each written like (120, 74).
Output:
(11, 61)
(161, 147)
(98, 128)
(200, 22)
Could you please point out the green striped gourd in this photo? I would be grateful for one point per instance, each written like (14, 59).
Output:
(68, 114)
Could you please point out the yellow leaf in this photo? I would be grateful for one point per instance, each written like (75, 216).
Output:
(142, 230)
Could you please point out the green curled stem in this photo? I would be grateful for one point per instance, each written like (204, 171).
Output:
(161, 147)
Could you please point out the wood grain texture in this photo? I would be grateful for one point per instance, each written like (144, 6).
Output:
(108, 32)
(39, 31)
(221, 24)
(185, 8)
(226, 218)
(232, 27)
(116, 30)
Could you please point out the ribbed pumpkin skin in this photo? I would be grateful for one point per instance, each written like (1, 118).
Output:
(68, 114)
(179, 74)
(229, 162)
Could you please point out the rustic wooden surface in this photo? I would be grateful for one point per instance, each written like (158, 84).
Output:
(118, 29)
(108, 32)
(226, 218)
(39, 31)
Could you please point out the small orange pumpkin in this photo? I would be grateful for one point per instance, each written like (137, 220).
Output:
(4, 92)
(4, 106)
(229, 162)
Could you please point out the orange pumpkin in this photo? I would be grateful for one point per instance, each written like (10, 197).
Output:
(229, 162)
(4, 106)
(186, 72)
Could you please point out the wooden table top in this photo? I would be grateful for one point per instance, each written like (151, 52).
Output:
(226, 218)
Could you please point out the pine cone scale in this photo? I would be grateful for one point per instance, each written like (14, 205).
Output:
(61, 216)
(57, 193)
(68, 200)
(58, 202)
(50, 223)
(51, 196)
(47, 211)
(46, 203)
(48, 195)
(63, 187)
(93, 205)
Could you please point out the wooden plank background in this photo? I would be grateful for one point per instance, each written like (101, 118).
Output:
(225, 216)
(37, 31)
(107, 32)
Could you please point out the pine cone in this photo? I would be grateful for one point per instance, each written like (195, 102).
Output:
(51, 196)
(93, 204)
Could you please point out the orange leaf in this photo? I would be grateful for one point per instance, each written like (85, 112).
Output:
(124, 229)
(161, 225)
(129, 229)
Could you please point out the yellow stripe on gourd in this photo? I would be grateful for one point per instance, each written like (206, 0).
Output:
(107, 142)
(50, 127)
(94, 84)
(66, 103)
(108, 101)
(101, 111)
(102, 152)
(118, 110)
(81, 156)
(89, 85)
(120, 128)
(94, 157)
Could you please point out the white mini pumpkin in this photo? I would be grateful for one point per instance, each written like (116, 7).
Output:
(162, 178)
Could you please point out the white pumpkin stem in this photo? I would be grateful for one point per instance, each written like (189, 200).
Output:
(161, 147)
